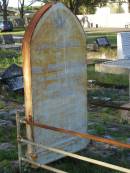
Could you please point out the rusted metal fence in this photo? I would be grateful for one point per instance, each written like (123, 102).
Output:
(32, 161)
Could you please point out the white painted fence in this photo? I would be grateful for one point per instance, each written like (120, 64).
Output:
(106, 20)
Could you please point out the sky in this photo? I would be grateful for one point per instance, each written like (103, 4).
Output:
(14, 3)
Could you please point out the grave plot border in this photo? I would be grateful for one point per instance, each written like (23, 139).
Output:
(32, 160)
(29, 121)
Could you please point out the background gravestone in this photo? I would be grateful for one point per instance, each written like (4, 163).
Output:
(102, 42)
(123, 45)
(13, 77)
(54, 52)
(7, 39)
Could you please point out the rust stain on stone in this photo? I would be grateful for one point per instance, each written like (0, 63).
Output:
(55, 66)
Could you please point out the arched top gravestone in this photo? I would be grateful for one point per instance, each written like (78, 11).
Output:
(54, 54)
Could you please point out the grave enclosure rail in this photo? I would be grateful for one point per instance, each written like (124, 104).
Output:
(32, 161)
(54, 70)
(108, 105)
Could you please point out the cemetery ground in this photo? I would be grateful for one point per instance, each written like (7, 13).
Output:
(102, 121)
(16, 31)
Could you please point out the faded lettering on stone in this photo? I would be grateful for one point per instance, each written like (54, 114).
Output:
(60, 45)
(58, 81)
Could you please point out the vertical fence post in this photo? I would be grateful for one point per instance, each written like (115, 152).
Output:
(18, 140)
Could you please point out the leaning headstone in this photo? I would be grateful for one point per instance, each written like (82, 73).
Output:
(12, 71)
(15, 83)
(102, 41)
(7, 42)
(123, 45)
(55, 84)
(7, 39)
(13, 77)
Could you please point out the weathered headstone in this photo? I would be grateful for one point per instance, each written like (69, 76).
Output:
(123, 45)
(12, 71)
(54, 55)
(7, 39)
(13, 77)
(7, 42)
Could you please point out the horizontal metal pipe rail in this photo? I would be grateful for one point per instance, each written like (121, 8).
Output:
(49, 168)
(76, 156)
(104, 104)
(73, 133)
(78, 134)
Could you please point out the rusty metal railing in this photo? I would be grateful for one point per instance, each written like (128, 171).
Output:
(76, 156)
(81, 135)
(108, 105)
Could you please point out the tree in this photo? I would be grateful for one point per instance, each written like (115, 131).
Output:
(129, 6)
(3, 7)
(74, 5)
(120, 2)
(21, 8)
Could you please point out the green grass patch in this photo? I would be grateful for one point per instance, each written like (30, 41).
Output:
(107, 78)
(2, 104)
(100, 129)
(6, 62)
(91, 37)
(16, 96)
(8, 155)
(73, 166)
(7, 167)
(8, 135)
(8, 54)
(16, 31)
